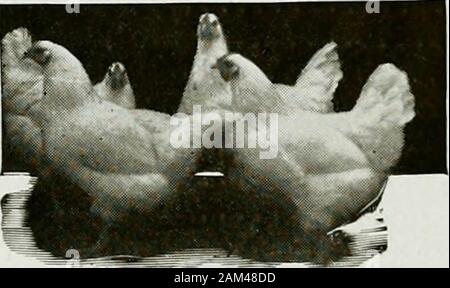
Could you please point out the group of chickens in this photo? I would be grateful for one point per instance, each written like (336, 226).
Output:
(330, 166)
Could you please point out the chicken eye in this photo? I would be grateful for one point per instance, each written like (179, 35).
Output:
(215, 23)
(228, 64)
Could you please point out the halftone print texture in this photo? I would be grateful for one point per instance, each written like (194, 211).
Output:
(106, 180)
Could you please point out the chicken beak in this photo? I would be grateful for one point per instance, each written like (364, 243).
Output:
(208, 28)
(226, 77)
(117, 76)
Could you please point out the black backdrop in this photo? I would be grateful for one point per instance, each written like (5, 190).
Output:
(157, 44)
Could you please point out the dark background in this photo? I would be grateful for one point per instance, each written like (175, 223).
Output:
(157, 44)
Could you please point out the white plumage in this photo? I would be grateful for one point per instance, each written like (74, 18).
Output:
(22, 88)
(254, 92)
(377, 121)
(329, 165)
(121, 157)
(313, 90)
(205, 86)
(315, 87)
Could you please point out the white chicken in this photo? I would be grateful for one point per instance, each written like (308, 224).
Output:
(313, 91)
(329, 165)
(116, 87)
(315, 87)
(22, 89)
(122, 158)
(205, 86)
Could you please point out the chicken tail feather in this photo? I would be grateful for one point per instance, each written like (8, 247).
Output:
(320, 78)
(385, 106)
(386, 98)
